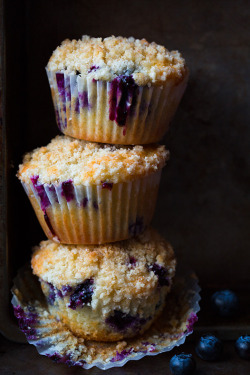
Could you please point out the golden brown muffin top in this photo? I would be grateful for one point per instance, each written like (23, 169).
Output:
(126, 275)
(90, 163)
(105, 59)
(123, 264)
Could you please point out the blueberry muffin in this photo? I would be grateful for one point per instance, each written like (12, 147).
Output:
(106, 292)
(115, 90)
(90, 193)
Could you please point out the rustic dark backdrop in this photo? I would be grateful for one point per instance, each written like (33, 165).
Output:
(204, 199)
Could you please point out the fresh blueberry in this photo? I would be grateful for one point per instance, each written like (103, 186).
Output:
(242, 346)
(225, 303)
(182, 364)
(209, 348)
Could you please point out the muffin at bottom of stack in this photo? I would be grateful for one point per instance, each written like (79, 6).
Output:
(106, 292)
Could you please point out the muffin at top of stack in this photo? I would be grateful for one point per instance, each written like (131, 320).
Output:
(106, 292)
(86, 192)
(115, 90)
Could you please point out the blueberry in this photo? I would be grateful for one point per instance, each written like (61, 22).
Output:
(161, 272)
(182, 364)
(123, 89)
(242, 346)
(121, 322)
(68, 190)
(225, 303)
(209, 348)
(82, 294)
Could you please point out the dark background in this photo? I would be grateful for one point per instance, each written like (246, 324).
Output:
(204, 200)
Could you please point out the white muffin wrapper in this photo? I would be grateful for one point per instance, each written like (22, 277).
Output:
(109, 214)
(82, 108)
(54, 340)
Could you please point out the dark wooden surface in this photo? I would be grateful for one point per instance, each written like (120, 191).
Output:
(23, 359)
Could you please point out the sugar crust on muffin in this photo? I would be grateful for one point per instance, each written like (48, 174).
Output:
(105, 59)
(117, 279)
(89, 163)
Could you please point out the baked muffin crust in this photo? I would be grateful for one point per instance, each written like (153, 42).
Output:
(90, 163)
(105, 59)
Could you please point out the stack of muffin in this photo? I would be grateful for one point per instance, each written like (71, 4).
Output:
(104, 271)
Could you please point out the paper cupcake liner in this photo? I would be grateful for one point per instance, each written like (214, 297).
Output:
(116, 112)
(55, 340)
(94, 214)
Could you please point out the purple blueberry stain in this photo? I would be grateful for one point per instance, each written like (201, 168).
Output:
(44, 200)
(66, 289)
(192, 319)
(121, 322)
(93, 68)
(58, 120)
(132, 262)
(60, 85)
(68, 190)
(82, 295)
(123, 354)
(161, 272)
(26, 322)
(67, 89)
(41, 192)
(77, 105)
(137, 227)
(107, 185)
(83, 100)
(63, 358)
(150, 346)
(85, 202)
(52, 294)
(123, 89)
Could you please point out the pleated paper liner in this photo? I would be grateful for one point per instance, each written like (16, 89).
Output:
(96, 214)
(56, 341)
(116, 112)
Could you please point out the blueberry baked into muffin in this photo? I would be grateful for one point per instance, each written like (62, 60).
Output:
(106, 292)
(115, 90)
(90, 193)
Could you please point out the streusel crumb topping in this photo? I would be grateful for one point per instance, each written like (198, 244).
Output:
(109, 265)
(105, 59)
(87, 163)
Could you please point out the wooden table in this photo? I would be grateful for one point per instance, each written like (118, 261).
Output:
(23, 359)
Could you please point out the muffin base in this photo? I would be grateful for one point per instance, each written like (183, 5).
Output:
(89, 109)
(91, 325)
(55, 341)
(96, 214)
